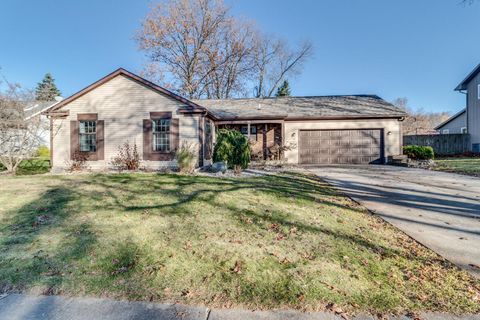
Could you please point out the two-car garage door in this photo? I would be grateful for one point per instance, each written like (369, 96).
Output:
(359, 146)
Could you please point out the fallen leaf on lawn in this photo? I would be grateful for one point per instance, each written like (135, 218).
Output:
(274, 227)
(237, 268)
(308, 256)
(280, 236)
(413, 315)
(334, 308)
(187, 245)
(285, 261)
(119, 270)
(187, 293)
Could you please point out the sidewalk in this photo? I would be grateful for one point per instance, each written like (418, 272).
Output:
(25, 307)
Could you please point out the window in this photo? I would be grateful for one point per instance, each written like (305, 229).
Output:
(253, 132)
(244, 130)
(88, 136)
(445, 131)
(161, 135)
(464, 130)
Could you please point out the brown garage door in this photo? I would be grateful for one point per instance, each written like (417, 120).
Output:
(341, 146)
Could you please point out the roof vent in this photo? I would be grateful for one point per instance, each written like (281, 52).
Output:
(259, 107)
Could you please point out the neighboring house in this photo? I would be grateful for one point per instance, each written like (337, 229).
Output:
(37, 109)
(455, 124)
(125, 107)
(471, 87)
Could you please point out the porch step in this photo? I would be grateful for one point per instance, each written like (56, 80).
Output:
(398, 160)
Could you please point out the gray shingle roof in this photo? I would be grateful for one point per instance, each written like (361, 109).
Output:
(455, 116)
(353, 106)
(36, 107)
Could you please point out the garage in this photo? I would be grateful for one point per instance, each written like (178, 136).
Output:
(356, 146)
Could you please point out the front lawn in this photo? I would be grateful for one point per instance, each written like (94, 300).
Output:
(468, 166)
(285, 241)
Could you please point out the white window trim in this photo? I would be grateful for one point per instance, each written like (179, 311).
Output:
(445, 131)
(478, 92)
(463, 130)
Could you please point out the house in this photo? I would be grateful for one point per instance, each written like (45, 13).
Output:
(455, 124)
(471, 87)
(301, 130)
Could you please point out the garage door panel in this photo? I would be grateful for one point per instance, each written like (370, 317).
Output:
(340, 146)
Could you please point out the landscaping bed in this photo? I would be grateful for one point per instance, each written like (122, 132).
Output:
(267, 241)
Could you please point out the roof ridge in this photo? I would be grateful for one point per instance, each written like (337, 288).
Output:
(290, 97)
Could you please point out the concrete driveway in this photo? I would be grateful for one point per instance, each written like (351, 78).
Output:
(440, 210)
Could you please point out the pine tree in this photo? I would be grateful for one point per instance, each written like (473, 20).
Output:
(47, 90)
(283, 90)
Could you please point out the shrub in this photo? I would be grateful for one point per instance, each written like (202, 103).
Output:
(78, 162)
(127, 158)
(419, 152)
(42, 152)
(232, 147)
(186, 157)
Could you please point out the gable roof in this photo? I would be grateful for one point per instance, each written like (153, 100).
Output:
(455, 116)
(471, 75)
(189, 105)
(292, 108)
(287, 108)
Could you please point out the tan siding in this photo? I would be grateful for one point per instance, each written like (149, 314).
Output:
(122, 103)
(473, 109)
(392, 140)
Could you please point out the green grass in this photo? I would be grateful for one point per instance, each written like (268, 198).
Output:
(32, 166)
(468, 166)
(286, 241)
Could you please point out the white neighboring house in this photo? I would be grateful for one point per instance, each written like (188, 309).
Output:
(35, 109)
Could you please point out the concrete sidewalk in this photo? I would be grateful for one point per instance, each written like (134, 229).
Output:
(26, 307)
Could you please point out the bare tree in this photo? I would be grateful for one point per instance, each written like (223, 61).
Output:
(199, 48)
(197, 45)
(274, 61)
(419, 121)
(19, 138)
(230, 62)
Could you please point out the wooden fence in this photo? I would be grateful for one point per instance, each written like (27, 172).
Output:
(442, 144)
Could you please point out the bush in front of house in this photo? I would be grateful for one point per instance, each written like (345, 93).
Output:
(127, 158)
(233, 148)
(78, 161)
(419, 152)
(42, 152)
(186, 157)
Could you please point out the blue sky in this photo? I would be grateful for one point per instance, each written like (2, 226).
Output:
(403, 48)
